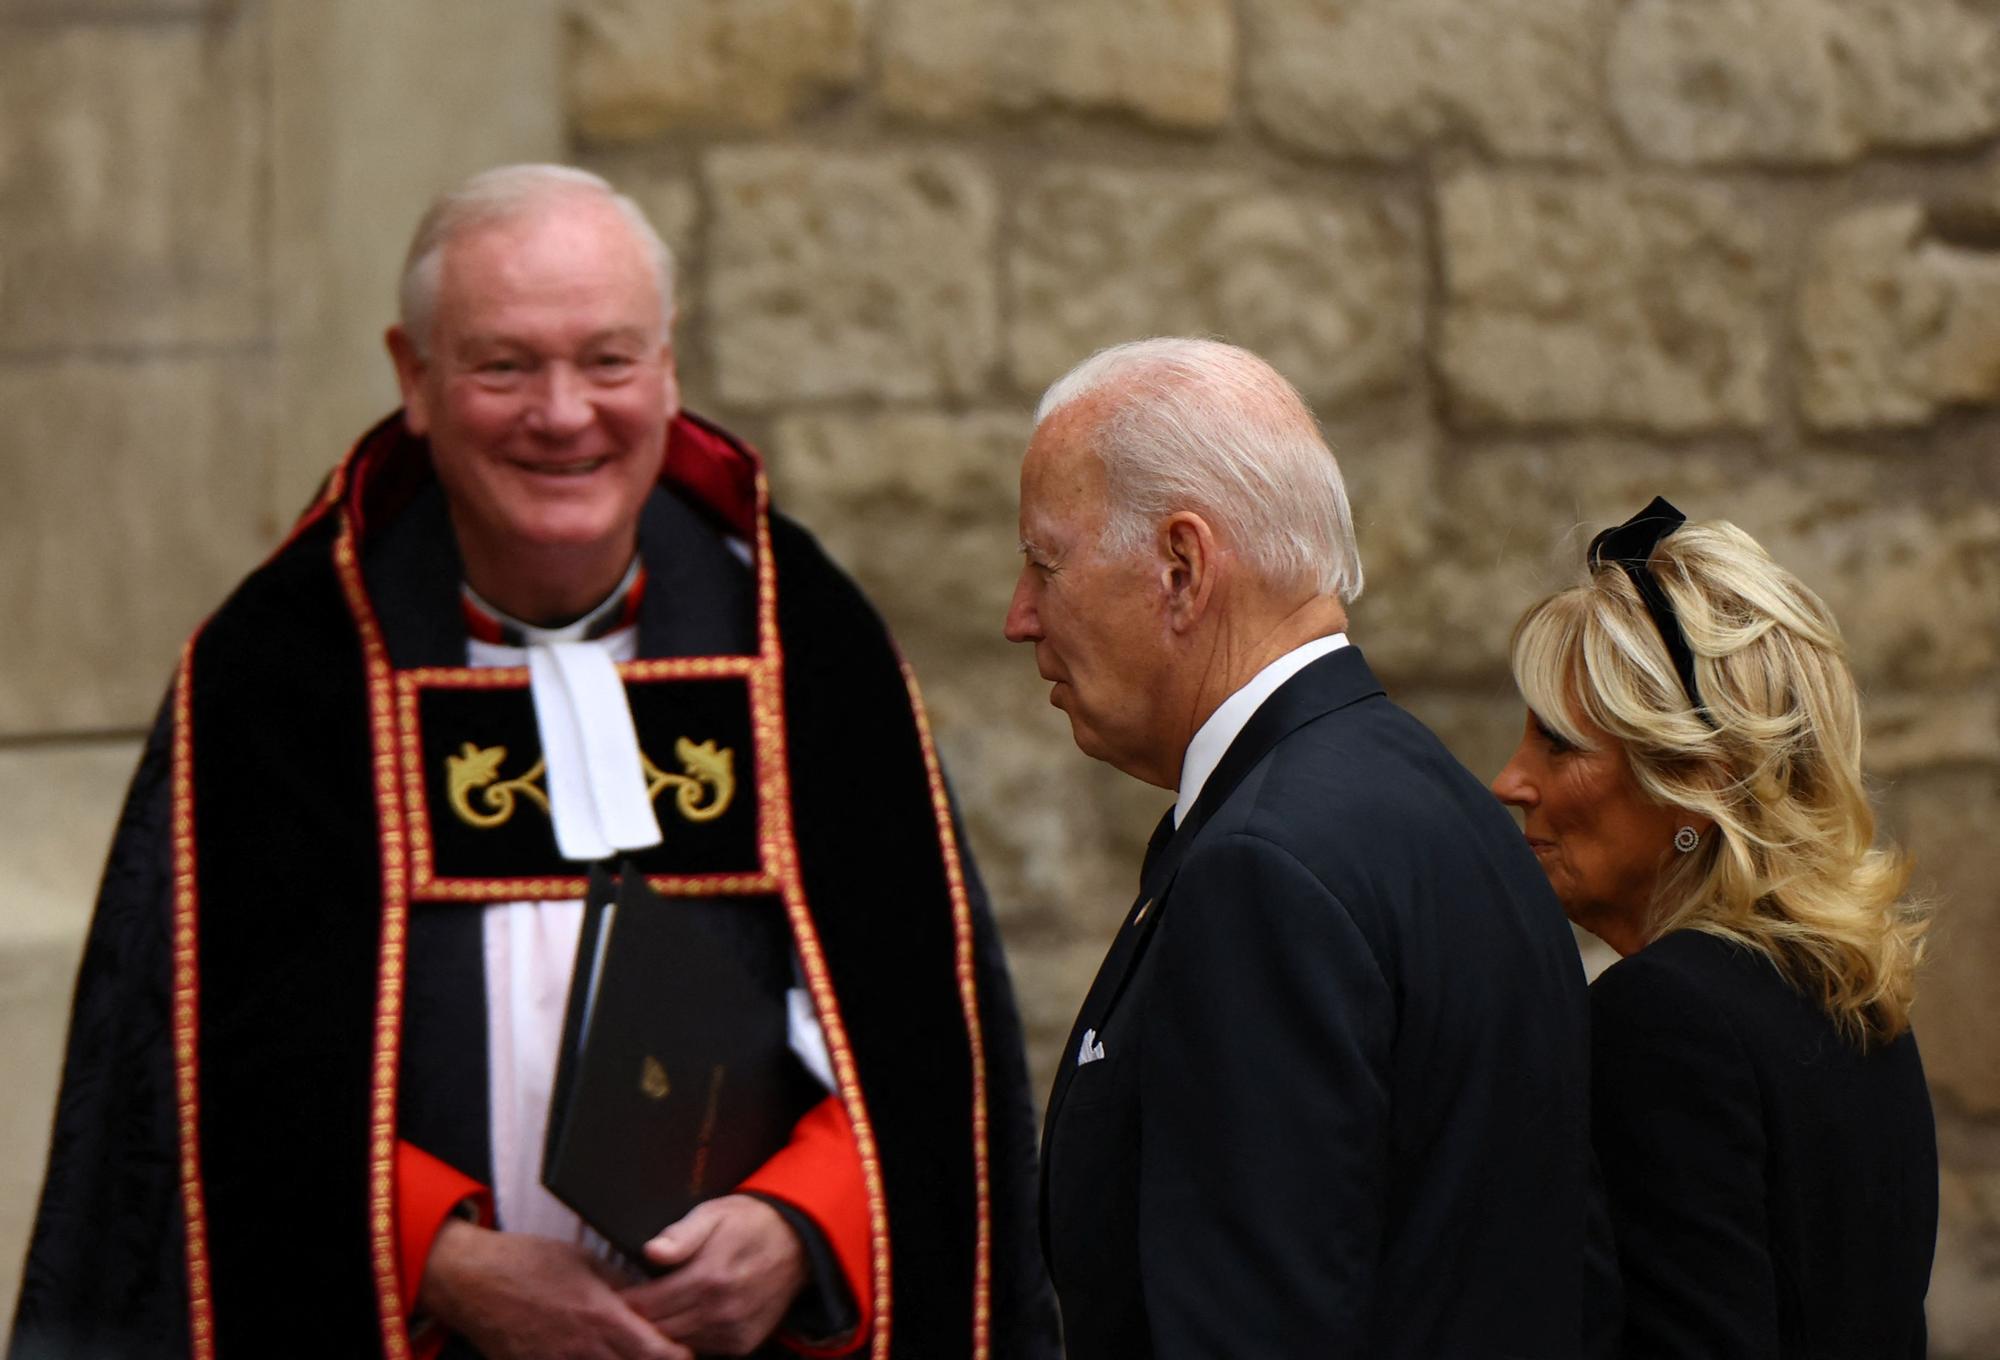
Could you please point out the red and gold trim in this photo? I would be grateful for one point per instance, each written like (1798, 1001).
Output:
(382, 1153)
(778, 847)
(186, 1017)
(516, 677)
(560, 889)
(968, 991)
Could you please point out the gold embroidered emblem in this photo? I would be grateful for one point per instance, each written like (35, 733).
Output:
(474, 768)
(653, 1079)
(706, 768)
(702, 793)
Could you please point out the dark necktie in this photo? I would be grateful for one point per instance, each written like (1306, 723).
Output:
(1162, 833)
(1118, 960)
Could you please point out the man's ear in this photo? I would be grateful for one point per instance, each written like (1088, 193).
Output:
(1189, 559)
(410, 370)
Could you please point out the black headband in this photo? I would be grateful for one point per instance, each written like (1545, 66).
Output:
(1630, 545)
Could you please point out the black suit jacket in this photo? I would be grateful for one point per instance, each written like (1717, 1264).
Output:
(1774, 1189)
(1342, 1101)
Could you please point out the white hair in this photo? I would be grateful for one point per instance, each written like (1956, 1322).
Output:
(1193, 424)
(500, 195)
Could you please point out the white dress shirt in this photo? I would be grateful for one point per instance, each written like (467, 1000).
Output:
(1205, 752)
(530, 947)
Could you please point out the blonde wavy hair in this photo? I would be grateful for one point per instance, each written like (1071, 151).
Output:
(1794, 871)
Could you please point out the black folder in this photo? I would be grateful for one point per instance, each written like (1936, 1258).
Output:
(676, 1078)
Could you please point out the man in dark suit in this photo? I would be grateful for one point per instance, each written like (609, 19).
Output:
(1327, 1095)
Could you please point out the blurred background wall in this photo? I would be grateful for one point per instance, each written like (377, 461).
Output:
(1532, 261)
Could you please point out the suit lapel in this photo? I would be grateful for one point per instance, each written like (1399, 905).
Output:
(1117, 960)
(1125, 947)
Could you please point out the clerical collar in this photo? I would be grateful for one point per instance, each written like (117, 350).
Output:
(620, 609)
(1205, 752)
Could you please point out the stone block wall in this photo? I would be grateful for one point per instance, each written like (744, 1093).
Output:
(1532, 261)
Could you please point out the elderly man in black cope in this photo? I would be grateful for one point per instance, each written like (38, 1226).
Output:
(1326, 1096)
(539, 618)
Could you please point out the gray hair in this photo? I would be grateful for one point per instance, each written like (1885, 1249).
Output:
(1200, 425)
(500, 195)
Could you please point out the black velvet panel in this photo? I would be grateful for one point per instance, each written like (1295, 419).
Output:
(498, 723)
(289, 883)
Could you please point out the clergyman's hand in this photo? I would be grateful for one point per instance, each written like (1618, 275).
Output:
(736, 1266)
(519, 1297)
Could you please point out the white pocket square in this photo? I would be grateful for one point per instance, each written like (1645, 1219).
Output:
(1091, 1050)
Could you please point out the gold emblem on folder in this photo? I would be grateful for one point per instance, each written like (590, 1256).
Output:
(702, 792)
(653, 1079)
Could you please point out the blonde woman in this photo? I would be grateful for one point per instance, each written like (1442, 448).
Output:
(1690, 779)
